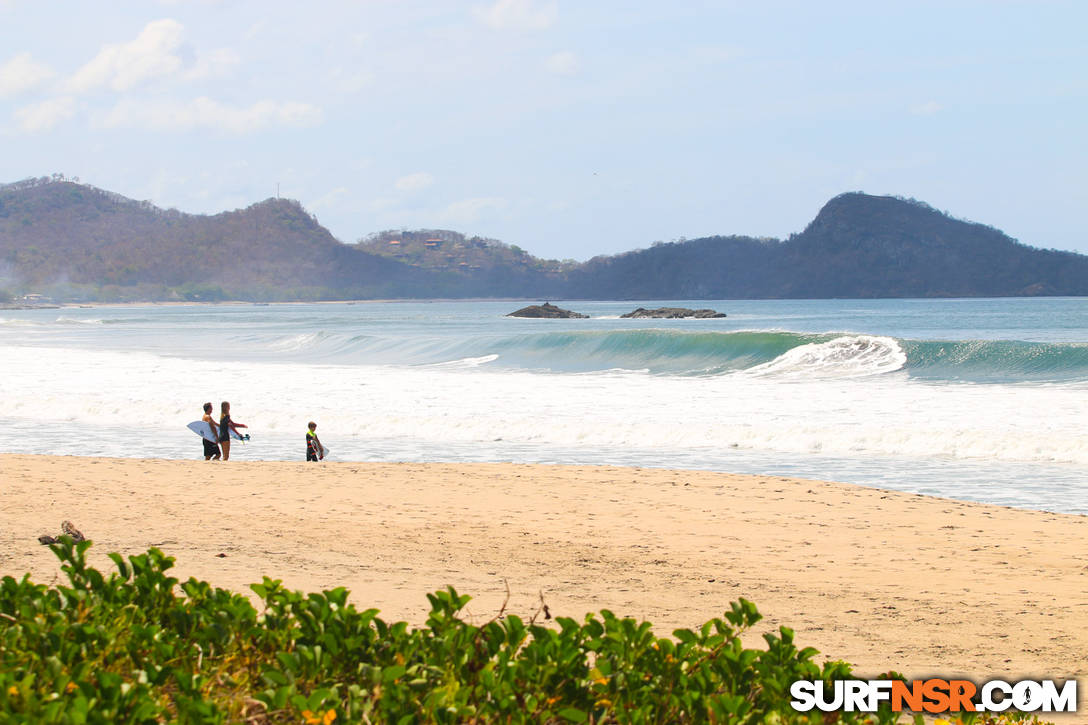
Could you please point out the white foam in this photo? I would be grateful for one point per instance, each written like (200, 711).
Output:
(297, 342)
(78, 321)
(468, 362)
(846, 357)
(450, 408)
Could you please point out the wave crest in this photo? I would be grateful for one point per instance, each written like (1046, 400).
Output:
(849, 356)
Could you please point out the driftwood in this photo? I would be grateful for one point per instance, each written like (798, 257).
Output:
(67, 528)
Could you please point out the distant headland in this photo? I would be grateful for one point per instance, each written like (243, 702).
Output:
(73, 242)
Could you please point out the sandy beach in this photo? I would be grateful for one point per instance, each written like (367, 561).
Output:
(881, 579)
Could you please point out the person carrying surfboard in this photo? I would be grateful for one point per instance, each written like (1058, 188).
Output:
(226, 425)
(314, 450)
(211, 450)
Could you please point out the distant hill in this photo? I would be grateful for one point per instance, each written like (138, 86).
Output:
(881, 246)
(74, 241)
(482, 267)
(857, 246)
(59, 234)
(445, 249)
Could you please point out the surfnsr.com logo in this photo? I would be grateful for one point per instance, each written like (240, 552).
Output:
(935, 696)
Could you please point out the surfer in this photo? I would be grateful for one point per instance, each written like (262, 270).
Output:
(226, 425)
(211, 450)
(314, 450)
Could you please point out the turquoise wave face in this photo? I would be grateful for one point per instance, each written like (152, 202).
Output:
(670, 352)
(770, 352)
(654, 351)
(997, 360)
(304, 336)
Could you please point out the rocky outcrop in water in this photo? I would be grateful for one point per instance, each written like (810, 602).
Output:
(547, 310)
(672, 313)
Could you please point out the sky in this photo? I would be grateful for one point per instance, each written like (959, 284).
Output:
(570, 129)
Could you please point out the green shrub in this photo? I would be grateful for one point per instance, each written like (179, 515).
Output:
(137, 647)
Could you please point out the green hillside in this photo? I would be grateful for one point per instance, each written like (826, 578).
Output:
(77, 242)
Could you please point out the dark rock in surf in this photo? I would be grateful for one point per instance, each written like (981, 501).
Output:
(672, 313)
(547, 310)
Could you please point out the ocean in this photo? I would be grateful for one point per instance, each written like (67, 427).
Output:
(973, 399)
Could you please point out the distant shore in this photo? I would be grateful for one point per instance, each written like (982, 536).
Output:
(884, 580)
(228, 303)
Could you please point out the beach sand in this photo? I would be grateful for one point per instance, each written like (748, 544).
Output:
(884, 580)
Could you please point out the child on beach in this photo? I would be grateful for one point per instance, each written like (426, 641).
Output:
(211, 450)
(314, 450)
(226, 425)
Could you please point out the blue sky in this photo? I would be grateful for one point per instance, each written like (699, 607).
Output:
(570, 129)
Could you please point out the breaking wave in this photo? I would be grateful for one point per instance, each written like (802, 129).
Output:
(752, 352)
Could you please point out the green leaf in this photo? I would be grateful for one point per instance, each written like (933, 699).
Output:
(573, 714)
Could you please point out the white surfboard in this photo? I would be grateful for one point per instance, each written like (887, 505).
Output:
(204, 429)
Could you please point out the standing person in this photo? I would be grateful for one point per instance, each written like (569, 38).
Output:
(226, 425)
(314, 450)
(211, 450)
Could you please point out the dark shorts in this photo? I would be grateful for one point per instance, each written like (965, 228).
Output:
(210, 449)
(311, 455)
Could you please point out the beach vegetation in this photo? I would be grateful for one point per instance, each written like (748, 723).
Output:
(138, 646)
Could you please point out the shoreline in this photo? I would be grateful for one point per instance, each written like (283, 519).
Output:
(424, 300)
(882, 579)
(268, 303)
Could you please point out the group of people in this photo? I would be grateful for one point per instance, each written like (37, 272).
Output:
(222, 430)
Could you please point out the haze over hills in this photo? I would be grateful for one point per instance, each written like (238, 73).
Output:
(76, 242)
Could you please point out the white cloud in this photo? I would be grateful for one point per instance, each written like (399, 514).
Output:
(517, 15)
(45, 115)
(213, 64)
(159, 51)
(204, 112)
(564, 63)
(154, 53)
(926, 109)
(21, 74)
(470, 210)
(414, 182)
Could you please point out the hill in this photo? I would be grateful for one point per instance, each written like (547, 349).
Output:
(85, 241)
(477, 266)
(445, 249)
(882, 246)
(857, 246)
(75, 241)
